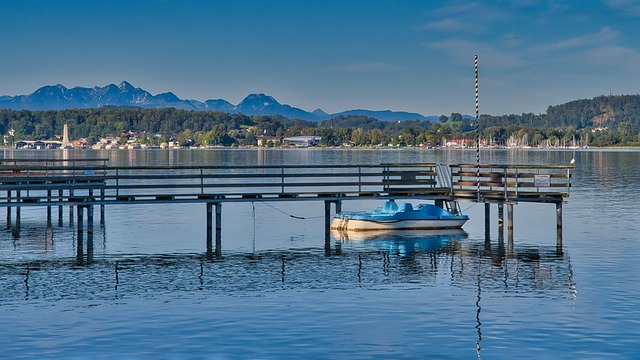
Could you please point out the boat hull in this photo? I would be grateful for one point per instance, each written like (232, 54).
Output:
(403, 217)
(347, 224)
(386, 235)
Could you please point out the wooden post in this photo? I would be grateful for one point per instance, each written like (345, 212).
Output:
(327, 228)
(510, 222)
(79, 250)
(71, 209)
(487, 221)
(559, 226)
(89, 234)
(60, 193)
(89, 219)
(9, 209)
(102, 207)
(439, 203)
(209, 229)
(218, 229)
(500, 221)
(49, 208)
(18, 195)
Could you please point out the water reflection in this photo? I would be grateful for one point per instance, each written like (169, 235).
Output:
(450, 260)
(403, 242)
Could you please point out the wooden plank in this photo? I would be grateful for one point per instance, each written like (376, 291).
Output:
(211, 197)
(411, 172)
(368, 194)
(482, 174)
(482, 183)
(82, 199)
(251, 196)
(125, 198)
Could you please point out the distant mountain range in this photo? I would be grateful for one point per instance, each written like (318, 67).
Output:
(58, 97)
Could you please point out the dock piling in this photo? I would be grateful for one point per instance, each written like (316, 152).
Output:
(8, 209)
(487, 221)
(49, 209)
(89, 234)
(209, 228)
(71, 209)
(218, 221)
(102, 193)
(80, 235)
(510, 222)
(18, 196)
(327, 228)
(500, 222)
(218, 229)
(559, 226)
(60, 193)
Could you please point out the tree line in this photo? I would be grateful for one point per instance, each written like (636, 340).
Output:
(602, 121)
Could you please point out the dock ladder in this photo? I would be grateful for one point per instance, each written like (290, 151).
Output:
(443, 177)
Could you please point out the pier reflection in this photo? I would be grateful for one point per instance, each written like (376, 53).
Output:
(42, 242)
(500, 266)
(443, 260)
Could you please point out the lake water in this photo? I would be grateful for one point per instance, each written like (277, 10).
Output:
(151, 292)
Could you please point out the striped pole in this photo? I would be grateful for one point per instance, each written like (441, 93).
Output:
(477, 133)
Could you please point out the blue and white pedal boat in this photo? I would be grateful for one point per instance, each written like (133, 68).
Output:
(403, 216)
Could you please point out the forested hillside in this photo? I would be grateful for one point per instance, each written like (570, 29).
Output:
(602, 111)
(602, 121)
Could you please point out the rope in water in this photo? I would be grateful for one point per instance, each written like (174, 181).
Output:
(291, 215)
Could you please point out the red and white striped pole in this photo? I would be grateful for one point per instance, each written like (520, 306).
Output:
(477, 133)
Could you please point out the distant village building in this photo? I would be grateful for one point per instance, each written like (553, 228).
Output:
(38, 144)
(460, 143)
(307, 140)
(81, 143)
(264, 140)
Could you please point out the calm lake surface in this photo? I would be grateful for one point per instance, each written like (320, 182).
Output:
(152, 293)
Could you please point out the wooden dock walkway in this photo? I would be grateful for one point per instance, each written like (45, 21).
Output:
(86, 183)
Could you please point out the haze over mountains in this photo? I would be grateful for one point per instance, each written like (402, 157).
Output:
(58, 97)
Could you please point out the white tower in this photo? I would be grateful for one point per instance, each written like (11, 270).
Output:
(65, 138)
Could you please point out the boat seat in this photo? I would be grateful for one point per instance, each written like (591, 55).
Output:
(390, 207)
(406, 207)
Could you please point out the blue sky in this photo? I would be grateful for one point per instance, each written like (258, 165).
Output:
(335, 55)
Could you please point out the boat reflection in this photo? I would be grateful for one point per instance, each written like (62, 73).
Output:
(403, 242)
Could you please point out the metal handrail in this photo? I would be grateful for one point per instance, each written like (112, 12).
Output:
(288, 180)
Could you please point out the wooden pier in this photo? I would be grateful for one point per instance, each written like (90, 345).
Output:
(83, 184)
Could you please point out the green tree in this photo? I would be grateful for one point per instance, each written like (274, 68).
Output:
(456, 117)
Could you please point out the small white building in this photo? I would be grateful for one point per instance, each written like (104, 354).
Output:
(305, 140)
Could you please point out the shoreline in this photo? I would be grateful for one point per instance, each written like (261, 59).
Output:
(624, 148)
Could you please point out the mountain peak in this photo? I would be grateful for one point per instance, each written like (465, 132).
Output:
(125, 86)
(260, 104)
(50, 91)
(265, 99)
(58, 97)
(319, 112)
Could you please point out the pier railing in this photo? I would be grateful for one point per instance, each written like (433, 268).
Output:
(511, 182)
(34, 182)
(285, 181)
(93, 180)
